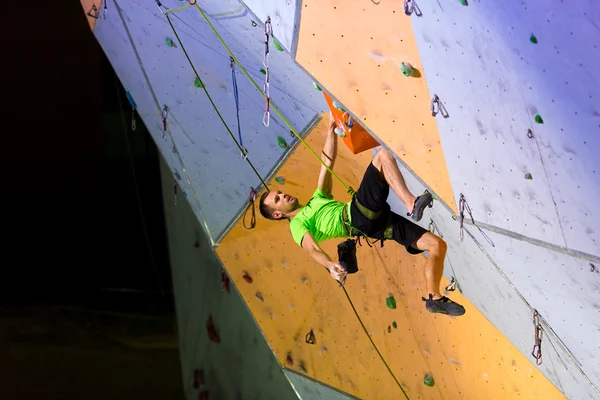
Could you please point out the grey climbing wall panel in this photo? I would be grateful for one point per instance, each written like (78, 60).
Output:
(220, 178)
(284, 16)
(502, 280)
(493, 80)
(308, 389)
(242, 365)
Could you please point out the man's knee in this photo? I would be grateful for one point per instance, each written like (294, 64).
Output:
(432, 243)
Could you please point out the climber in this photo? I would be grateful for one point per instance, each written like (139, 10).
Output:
(367, 214)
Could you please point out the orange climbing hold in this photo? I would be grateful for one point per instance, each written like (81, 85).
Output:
(357, 138)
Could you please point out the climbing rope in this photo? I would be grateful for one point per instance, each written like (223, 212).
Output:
(133, 108)
(266, 59)
(164, 113)
(237, 106)
(208, 94)
(157, 104)
(272, 106)
(251, 200)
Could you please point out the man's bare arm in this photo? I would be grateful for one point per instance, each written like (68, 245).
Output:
(328, 156)
(312, 247)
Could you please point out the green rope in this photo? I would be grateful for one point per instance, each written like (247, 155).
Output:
(349, 189)
(212, 102)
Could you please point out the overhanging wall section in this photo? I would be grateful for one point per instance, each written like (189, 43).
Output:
(195, 133)
(242, 364)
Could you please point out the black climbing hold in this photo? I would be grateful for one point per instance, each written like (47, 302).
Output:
(528, 176)
(529, 133)
(389, 329)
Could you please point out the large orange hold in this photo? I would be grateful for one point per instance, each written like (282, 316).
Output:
(357, 138)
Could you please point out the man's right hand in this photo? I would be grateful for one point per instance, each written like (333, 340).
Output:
(338, 272)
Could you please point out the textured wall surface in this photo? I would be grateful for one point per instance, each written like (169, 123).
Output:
(520, 86)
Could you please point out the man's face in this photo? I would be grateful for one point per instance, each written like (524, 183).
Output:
(281, 202)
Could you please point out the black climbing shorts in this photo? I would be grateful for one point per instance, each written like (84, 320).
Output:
(372, 194)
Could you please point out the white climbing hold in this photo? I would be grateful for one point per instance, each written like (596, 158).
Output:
(340, 132)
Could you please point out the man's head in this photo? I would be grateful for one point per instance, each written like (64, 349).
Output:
(277, 205)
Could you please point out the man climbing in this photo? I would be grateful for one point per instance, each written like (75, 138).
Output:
(367, 214)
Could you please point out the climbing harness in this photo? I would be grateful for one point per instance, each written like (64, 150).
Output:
(251, 200)
(93, 12)
(164, 114)
(462, 206)
(133, 107)
(310, 337)
(410, 6)
(438, 107)
(237, 107)
(266, 89)
(536, 352)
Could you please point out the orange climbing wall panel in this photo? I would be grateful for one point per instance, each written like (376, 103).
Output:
(357, 139)
(87, 6)
(354, 49)
(290, 295)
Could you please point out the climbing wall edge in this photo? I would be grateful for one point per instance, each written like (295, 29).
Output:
(303, 134)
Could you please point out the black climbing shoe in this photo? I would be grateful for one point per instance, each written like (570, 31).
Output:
(347, 256)
(443, 306)
(424, 200)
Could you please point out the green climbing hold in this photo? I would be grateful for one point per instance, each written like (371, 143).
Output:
(538, 119)
(407, 69)
(280, 180)
(339, 106)
(277, 45)
(395, 325)
(198, 83)
(428, 380)
(533, 39)
(262, 71)
(528, 176)
(463, 2)
(391, 302)
(170, 42)
(281, 142)
(317, 87)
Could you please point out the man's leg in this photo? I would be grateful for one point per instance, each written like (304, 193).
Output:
(388, 168)
(434, 267)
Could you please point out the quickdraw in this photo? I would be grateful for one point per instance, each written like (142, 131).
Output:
(94, 9)
(237, 107)
(164, 113)
(438, 107)
(175, 192)
(266, 88)
(536, 352)
(251, 200)
(410, 6)
(348, 121)
(462, 206)
(310, 337)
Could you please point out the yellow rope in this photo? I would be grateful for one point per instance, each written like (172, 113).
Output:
(349, 189)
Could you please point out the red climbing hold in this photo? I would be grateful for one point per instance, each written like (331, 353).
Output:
(247, 277)
(198, 378)
(212, 330)
(203, 395)
(225, 281)
(289, 361)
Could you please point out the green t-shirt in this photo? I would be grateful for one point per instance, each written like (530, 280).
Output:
(322, 217)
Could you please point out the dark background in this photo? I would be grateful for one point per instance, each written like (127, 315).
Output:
(86, 309)
(71, 222)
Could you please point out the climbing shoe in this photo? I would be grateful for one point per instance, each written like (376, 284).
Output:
(424, 200)
(443, 306)
(347, 256)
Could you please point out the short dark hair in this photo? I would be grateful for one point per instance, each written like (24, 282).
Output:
(265, 210)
